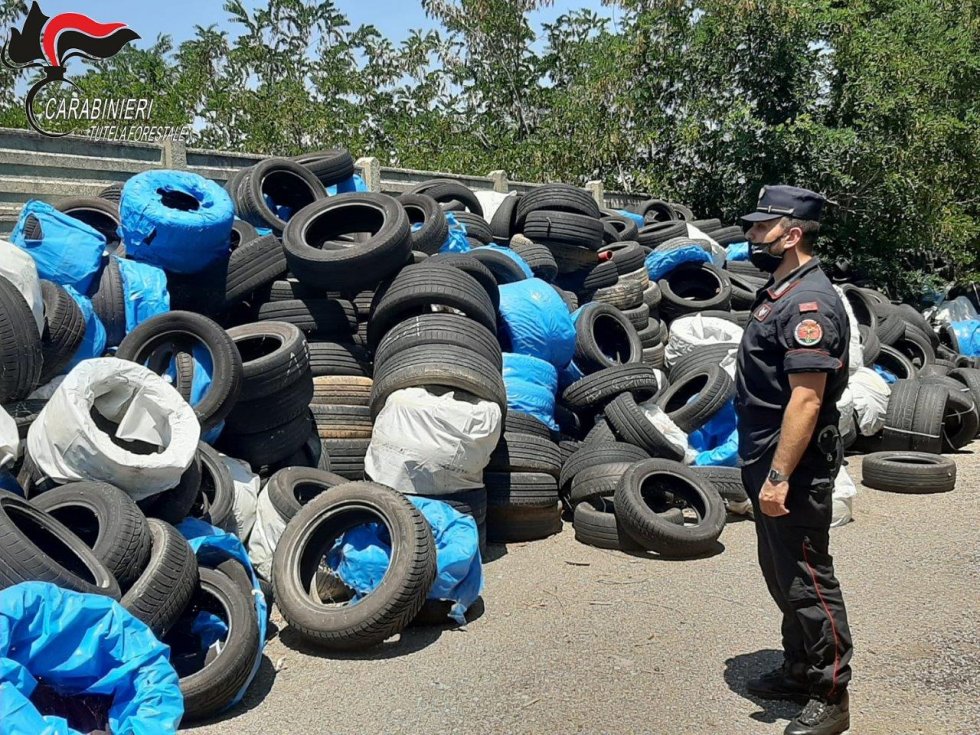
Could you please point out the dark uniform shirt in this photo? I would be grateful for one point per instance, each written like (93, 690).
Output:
(798, 325)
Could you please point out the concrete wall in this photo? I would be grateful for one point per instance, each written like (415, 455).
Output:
(34, 166)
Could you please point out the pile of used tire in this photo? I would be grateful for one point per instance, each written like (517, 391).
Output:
(293, 367)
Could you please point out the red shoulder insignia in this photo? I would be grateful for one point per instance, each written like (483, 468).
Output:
(809, 306)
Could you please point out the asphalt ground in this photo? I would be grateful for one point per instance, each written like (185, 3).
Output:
(576, 639)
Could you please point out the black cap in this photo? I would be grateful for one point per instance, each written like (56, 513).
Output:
(786, 201)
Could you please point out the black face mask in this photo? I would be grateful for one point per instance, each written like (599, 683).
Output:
(760, 254)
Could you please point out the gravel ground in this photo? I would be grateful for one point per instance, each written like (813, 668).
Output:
(576, 639)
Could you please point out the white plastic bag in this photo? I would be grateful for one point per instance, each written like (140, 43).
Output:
(718, 253)
(247, 485)
(844, 492)
(959, 309)
(427, 442)
(266, 532)
(19, 268)
(690, 332)
(490, 200)
(672, 433)
(845, 406)
(855, 355)
(870, 393)
(9, 439)
(67, 446)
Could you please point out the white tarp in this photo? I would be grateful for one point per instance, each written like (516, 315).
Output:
(268, 528)
(674, 435)
(870, 393)
(845, 406)
(67, 446)
(691, 332)
(959, 309)
(247, 485)
(490, 200)
(429, 443)
(855, 358)
(9, 439)
(18, 267)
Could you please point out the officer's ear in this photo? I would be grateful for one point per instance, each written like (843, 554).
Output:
(793, 235)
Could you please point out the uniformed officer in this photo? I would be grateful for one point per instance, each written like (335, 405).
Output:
(792, 369)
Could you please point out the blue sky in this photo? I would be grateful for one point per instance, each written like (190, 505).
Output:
(394, 18)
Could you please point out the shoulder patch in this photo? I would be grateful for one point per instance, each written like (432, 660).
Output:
(808, 333)
(809, 306)
(762, 312)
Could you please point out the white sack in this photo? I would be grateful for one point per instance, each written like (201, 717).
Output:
(268, 528)
(690, 332)
(671, 431)
(959, 309)
(855, 356)
(844, 492)
(429, 443)
(247, 485)
(67, 446)
(490, 200)
(718, 253)
(845, 406)
(9, 439)
(19, 268)
(871, 394)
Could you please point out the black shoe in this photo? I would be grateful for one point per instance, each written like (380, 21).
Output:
(820, 717)
(786, 682)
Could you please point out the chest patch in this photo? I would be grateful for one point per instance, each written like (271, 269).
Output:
(762, 312)
(809, 306)
(808, 333)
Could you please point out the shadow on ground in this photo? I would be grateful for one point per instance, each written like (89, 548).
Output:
(739, 669)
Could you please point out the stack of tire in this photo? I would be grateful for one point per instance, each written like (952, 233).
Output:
(91, 537)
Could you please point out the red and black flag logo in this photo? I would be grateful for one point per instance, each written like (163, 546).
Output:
(49, 43)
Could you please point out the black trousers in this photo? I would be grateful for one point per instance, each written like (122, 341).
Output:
(795, 559)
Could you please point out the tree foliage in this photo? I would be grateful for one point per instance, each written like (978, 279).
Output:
(873, 102)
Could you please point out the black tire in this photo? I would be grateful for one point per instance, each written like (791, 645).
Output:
(64, 330)
(514, 524)
(262, 414)
(290, 289)
(896, 434)
(273, 354)
(652, 235)
(960, 421)
(112, 193)
(891, 325)
(654, 357)
(264, 448)
(862, 305)
(632, 426)
(593, 391)
(173, 505)
(286, 182)
(538, 258)
(98, 213)
(933, 371)
(597, 525)
(446, 191)
(970, 377)
(324, 318)
(329, 166)
(292, 488)
(167, 582)
(215, 502)
(107, 520)
(525, 453)
(503, 267)
(342, 422)
(909, 472)
(639, 317)
(745, 268)
(347, 456)
(627, 256)
(557, 198)
(896, 363)
(652, 296)
(596, 482)
(624, 295)
(596, 454)
(184, 367)
(418, 287)
(21, 356)
(707, 226)
(502, 222)
(916, 347)
(604, 338)
(565, 228)
(474, 268)
(638, 512)
(571, 259)
(203, 293)
(475, 226)
(870, 345)
(928, 420)
(24, 413)
(625, 228)
(693, 287)
(650, 334)
(743, 291)
(520, 489)
(36, 547)
(568, 447)
(210, 688)
(695, 398)
(918, 322)
(726, 480)
(318, 259)
(390, 607)
(728, 235)
(241, 233)
(425, 211)
(155, 340)
(451, 367)
(338, 358)
(700, 358)
(600, 433)
(655, 210)
(341, 390)
(524, 423)
(252, 265)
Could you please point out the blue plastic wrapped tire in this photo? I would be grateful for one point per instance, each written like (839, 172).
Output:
(535, 321)
(93, 343)
(531, 387)
(144, 291)
(175, 220)
(79, 645)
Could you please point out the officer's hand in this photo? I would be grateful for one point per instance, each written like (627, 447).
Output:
(772, 498)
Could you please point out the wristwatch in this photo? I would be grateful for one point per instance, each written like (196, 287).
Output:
(775, 476)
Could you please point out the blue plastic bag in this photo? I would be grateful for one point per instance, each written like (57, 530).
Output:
(69, 252)
(661, 262)
(144, 291)
(175, 220)
(887, 376)
(531, 386)
(9, 483)
(212, 546)
(361, 556)
(638, 218)
(967, 337)
(82, 644)
(535, 321)
(568, 375)
(354, 183)
(93, 343)
(737, 251)
(717, 440)
(456, 241)
(200, 383)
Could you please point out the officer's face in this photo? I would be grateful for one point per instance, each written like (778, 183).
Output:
(765, 232)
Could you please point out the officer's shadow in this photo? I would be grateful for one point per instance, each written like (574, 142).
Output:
(740, 669)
